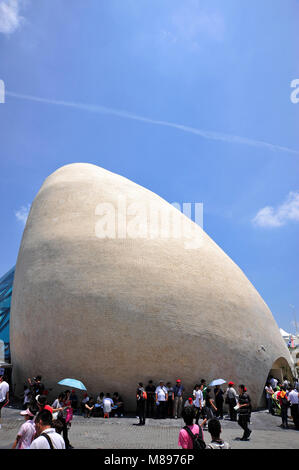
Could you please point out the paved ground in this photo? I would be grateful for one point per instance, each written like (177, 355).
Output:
(120, 433)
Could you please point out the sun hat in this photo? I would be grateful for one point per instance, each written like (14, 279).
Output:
(27, 412)
(231, 383)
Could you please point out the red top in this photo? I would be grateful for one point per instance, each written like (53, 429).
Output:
(48, 407)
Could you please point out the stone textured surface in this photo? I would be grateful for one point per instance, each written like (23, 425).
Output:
(112, 312)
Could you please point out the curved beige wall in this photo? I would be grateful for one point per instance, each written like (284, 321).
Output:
(112, 312)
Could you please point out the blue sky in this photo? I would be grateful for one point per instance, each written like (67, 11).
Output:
(223, 68)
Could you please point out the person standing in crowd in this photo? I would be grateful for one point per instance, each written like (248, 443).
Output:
(4, 394)
(218, 392)
(284, 405)
(244, 407)
(161, 400)
(66, 416)
(170, 402)
(231, 400)
(141, 397)
(198, 402)
(286, 382)
(185, 438)
(214, 428)
(67, 405)
(178, 391)
(210, 406)
(26, 431)
(26, 397)
(47, 437)
(57, 404)
(60, 404)
(249, 408)
(150, 402)
(107, 405)
(269, 393)
(273, 382)
(293, 399)
(74, 400)
(36, 385)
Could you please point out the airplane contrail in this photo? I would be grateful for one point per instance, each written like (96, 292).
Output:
(210, 135)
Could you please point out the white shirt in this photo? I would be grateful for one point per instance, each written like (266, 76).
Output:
(56, 404)
(42, 443)
(268, 390)
(4, 388)
(107, 405)
(198, 395)
(161, 393)
(231, 393)
(273, 382)
(293, 397)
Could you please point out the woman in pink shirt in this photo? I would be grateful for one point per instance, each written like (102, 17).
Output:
(26, 431)
(186, 441)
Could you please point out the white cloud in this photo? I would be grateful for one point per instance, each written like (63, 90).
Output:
(10, 18)
(276, 217)
(22, 214)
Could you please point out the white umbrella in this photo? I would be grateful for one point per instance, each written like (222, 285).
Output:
(217, 382)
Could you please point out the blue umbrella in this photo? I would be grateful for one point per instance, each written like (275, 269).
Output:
(217, 382)
(72, 383)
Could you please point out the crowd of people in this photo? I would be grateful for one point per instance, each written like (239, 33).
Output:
(52, 422)
(282, 396)
(103, 406)
(164, 401)
(47, 425)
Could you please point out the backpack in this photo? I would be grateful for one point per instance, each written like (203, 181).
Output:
(198, 442)
(142, 394)
(285, 401)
